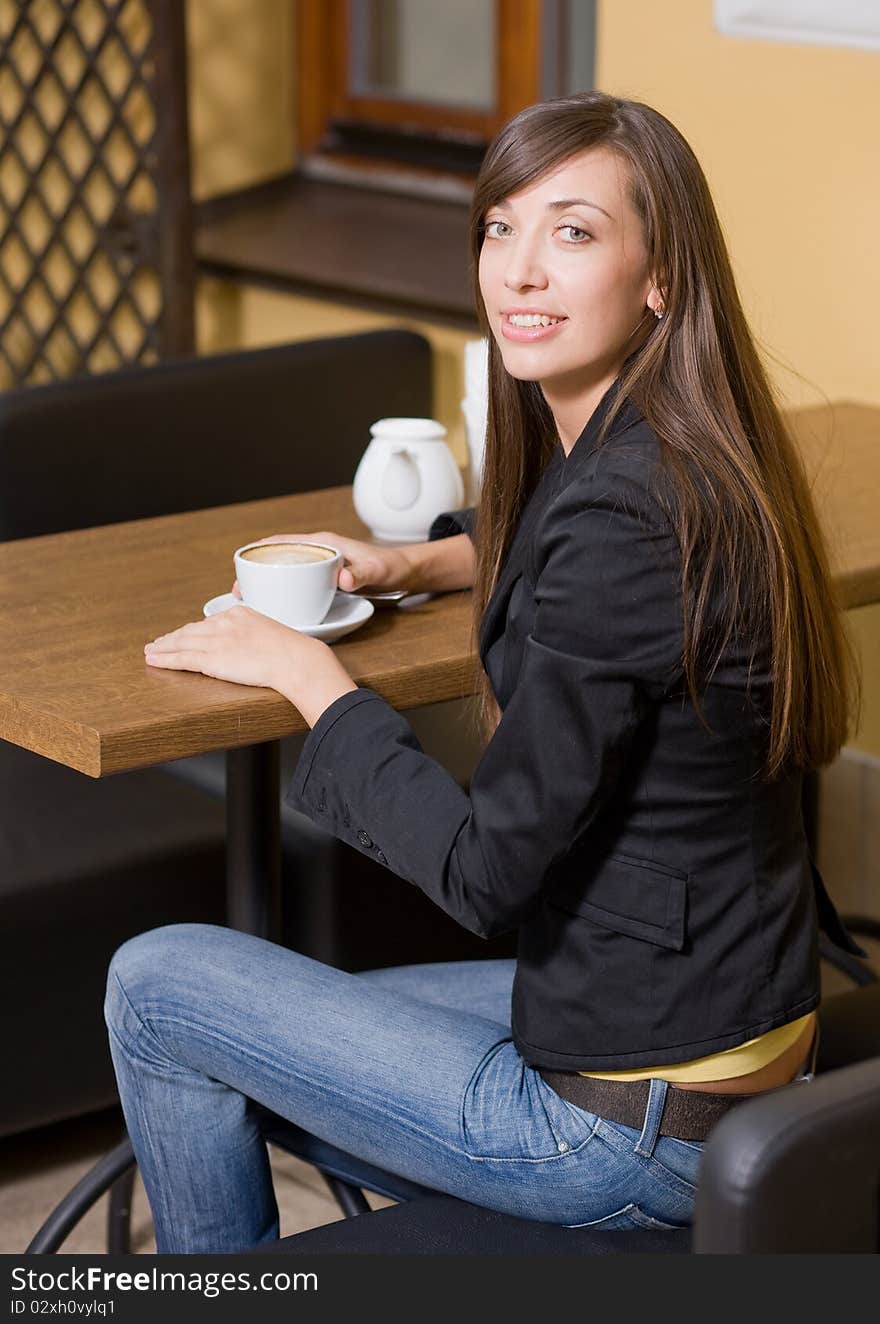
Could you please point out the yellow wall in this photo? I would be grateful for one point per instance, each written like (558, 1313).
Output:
(241, 56)
(787, 136)
(240, 66)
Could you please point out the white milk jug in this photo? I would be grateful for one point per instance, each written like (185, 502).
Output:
(406, 477)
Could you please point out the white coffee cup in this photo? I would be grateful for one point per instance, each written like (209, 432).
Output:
(293, 582)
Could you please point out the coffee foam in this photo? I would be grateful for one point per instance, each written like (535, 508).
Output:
(288, 553)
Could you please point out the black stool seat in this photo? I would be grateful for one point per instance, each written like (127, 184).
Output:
(441, 1225)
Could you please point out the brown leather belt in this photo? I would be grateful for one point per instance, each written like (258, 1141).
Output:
(687, 1115)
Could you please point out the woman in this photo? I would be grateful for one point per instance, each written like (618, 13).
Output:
(663, 661)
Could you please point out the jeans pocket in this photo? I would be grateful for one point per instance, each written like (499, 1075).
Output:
(571, 1125)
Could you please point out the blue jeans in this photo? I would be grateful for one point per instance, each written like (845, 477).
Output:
(412, 1069)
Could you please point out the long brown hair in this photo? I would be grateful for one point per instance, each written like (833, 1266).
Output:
(743, 513)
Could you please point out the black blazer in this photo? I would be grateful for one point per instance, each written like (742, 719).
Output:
(662, 891)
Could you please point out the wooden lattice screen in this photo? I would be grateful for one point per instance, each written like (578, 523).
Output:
(96, 262)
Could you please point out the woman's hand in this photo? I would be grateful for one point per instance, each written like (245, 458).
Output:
(365, 566)
(247, 648)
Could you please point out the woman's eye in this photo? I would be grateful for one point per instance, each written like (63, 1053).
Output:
(575, 234)
(497, 229)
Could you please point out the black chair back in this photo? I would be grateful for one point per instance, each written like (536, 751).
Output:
(253, 424)
(796, 1171)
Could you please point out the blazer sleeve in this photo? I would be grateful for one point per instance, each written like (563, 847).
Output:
(452, 522)
(607, 637)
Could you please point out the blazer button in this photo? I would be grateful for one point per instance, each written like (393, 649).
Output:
(365, 839)
(380, 857)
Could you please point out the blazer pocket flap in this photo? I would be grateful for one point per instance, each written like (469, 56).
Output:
(634, 897)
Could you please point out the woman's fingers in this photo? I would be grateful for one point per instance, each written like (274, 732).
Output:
(174, 661)
(194, 633)
(194, 646)
(363, 568)
(352, 576)
(166, 642)
(245, 648)
(192, 639)
(358, 569)
(361, 571)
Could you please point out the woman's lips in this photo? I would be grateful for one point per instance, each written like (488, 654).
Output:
(526, 333)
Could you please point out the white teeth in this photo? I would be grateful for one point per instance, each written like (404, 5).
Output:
(532, 319)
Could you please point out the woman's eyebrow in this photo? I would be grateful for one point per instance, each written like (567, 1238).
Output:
(561, 205)
(564, 203)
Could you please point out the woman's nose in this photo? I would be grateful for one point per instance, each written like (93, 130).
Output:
(525, 269)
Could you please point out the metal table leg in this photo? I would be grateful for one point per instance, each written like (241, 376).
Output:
(253, 873)
(253, 903)
(253, 839)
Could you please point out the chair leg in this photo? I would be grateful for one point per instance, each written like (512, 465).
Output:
(119, 1213)
(810, 809)
(858, 970)
(87, 1191)
(862, 926)
(351, 1199)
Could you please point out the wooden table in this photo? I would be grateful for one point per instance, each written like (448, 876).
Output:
(75, 612)
(77, 608)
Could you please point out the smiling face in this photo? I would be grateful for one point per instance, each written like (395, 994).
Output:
(565, 279)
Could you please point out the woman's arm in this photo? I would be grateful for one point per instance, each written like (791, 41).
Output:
(606, 639)
(242, 646)
(441, 566)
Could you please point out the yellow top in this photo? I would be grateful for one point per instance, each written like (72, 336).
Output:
(739, 1061)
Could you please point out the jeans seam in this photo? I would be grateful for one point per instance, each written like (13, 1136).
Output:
(666, 1175)
(654, 1166)
(145, 1027)
(515, 1158)
(143, 1122)
(128, 1001)
(399, 1120)
(511, 1158)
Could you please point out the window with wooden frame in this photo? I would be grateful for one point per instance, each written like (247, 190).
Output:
(410, 92)
(396, 103)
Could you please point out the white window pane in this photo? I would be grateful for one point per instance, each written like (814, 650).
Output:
(419, 50)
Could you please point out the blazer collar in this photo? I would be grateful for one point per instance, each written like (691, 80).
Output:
(586, 442)
(560, 471)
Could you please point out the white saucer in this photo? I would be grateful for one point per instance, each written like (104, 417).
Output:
(347, 612)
